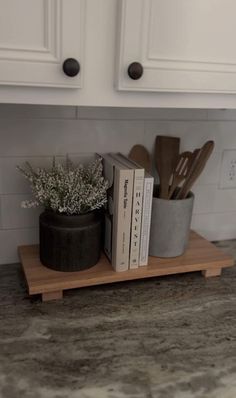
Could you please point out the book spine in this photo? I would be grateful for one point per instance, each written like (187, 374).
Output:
(123, 190)
(136, 218)
(146, 220)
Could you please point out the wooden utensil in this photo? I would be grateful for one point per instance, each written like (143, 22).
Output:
(190, 168)
(181, 170)
(141, 156)
(198, 166)
(166, 155)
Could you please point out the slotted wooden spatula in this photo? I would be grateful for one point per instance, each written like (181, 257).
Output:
(190, 168)
(198, 166)
(181, 170)
(166, 155)
(141, 156)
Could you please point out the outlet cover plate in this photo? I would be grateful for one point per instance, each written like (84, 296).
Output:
(228, 170)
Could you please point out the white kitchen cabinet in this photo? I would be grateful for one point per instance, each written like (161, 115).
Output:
(186, 48)
(36, 37)
(183, 46)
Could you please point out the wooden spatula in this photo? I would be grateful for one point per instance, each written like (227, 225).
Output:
(190, 168)
(198, 166)
(141, 156)
(166, 155)
(181, 170)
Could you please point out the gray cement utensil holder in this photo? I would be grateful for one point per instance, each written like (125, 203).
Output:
(170, 226)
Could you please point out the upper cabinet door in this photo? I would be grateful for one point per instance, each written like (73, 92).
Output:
(182, 45)
(36, 37)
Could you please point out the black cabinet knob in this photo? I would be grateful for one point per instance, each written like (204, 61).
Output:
(135, 70)
(71, 67)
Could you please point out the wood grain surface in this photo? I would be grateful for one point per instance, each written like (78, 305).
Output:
(200, 256)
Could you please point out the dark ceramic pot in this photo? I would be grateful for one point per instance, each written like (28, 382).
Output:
(70, 243)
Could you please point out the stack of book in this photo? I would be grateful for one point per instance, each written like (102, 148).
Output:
(128, 213)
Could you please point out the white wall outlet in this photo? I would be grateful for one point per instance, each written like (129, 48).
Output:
(228, 170)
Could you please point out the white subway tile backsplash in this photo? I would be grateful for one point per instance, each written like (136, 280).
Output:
(11, 239)
(0, 213)
(211, 199)
(20, 111)
(211, 172)
(111, 113)
(11, 180)
(215, 226)
(193, 134)
(82, 158)
(13, 215)
(107, 135)
(221, 114)
(204, 200)
(224, 132)
(33, 137)
(57, 137)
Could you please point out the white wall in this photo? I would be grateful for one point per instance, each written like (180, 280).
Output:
(36, 133)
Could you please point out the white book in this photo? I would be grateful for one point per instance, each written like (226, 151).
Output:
(118, 217)
(137, 201)
(146, 219)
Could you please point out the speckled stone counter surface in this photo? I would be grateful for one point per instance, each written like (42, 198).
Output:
(169, 337)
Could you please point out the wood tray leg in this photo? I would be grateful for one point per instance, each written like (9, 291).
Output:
(211, 272)
(52, 295)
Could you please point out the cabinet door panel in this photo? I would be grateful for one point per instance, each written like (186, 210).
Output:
(36, 37)
(184, 45)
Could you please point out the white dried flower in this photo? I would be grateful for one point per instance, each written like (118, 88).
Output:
(66, 188)
(26, 204)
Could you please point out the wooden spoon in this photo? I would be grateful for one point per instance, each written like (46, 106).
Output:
(141, 156)
(198, 166)
(166, 155)
(180, 171)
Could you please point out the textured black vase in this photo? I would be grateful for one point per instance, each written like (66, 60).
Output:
(70, 243)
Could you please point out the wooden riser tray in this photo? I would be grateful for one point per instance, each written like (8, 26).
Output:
(200, 256)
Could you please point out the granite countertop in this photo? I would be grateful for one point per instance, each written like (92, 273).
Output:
(169, 337)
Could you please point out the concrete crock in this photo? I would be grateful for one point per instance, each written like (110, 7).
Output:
(170, 226)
